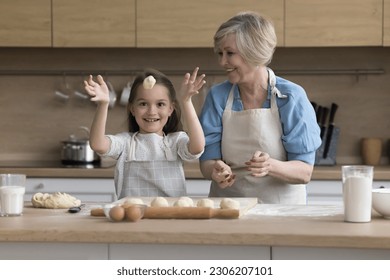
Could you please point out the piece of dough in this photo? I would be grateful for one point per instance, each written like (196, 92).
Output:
(205, 202)
(184, 201)
(149, 82)
(56, 200)
(132, 201)
(159, 202)
(229, 203)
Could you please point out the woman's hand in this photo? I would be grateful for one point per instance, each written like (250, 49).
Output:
(259, 164)
(222, 174)
(191, 85)
(97, 90)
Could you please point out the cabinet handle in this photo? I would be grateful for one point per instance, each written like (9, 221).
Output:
(40, 186)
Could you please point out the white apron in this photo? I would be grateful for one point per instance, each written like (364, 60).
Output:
(245, 132)
(154, 177)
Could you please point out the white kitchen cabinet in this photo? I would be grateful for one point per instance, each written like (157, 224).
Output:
(85, 189)
(53, 251)
(329, 192)
(198, 187)
(313, 253)
(97, 190)
(187, 252)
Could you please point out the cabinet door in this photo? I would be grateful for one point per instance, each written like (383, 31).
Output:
(86, 189)
(93, 23)
(25, 23)
(173, 23)
(333, 23)
(386, 23)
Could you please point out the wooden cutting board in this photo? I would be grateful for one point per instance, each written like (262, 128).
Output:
(246, 203)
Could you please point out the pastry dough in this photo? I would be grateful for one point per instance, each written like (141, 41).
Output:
(56, 200)
(205, 202)
(149, 82)
(184, 201)
(229, 203)
(159, 202)
(132, 201)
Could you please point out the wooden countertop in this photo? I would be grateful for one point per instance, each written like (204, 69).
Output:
(264, 225)
(191, 171)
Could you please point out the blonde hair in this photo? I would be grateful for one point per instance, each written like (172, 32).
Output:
(255, 37)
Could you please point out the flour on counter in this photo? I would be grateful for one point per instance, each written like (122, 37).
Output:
(295, 210)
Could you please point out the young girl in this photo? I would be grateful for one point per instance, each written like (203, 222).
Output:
(149, 156)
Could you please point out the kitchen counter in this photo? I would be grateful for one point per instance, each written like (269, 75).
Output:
(268, 225)
(265, 232)
(191, 170)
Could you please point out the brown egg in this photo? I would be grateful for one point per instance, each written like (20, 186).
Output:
(117, 213)
(134, 213)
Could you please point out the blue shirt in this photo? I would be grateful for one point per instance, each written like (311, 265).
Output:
(301, 133)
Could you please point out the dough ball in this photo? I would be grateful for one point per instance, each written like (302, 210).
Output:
(184, 202)
(205, 202)
(149, 82)
(159, 202)
(132, 201)
(229, 203)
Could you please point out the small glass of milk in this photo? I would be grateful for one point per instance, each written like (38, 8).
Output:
(357, 192)
(12, 189)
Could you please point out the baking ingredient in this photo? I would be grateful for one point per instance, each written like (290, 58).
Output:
(149, 82)
(117, 213)
(134, 213)
(357, 199)
(205, 202)
(229, 203)
(184, 201)
(159, 202)
(56, 200)
(132, 201)
(12, 200)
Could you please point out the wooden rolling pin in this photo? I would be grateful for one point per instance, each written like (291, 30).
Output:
(182, 213)
(190, 213)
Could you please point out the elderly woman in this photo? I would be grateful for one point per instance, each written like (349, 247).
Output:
(261, 131)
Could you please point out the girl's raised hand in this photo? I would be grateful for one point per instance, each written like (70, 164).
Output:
(97, 90)
(191, 85)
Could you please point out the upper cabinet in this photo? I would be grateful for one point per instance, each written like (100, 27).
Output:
(93, 23)
(386, 23)
(25, 23)
(182, 24)
(333, 23)
(172, 23)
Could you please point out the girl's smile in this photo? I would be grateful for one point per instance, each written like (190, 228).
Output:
(151, 109)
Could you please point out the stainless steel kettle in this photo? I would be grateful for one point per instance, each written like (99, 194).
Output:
(77, 150)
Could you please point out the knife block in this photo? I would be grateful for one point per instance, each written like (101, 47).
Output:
(331, 157)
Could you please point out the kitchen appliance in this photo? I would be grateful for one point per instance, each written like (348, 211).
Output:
(77, 151)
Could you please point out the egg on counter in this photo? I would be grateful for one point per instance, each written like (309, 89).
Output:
(117, 213)
(134, 213)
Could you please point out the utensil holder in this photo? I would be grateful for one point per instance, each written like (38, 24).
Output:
(331, 157)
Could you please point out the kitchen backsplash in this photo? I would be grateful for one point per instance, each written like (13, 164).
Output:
(34, 120)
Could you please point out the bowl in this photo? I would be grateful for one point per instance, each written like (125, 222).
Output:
(381, 202)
